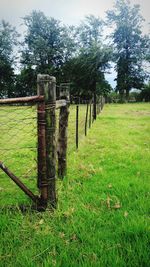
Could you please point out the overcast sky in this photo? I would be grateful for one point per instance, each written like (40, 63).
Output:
(68, 11)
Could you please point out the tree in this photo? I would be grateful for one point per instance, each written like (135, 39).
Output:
(47, 44)
(145, 93)
(25, 83)
(130, 46)
(8, 39)
(91, 59)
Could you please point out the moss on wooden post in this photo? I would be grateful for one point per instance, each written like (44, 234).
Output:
(62, 137)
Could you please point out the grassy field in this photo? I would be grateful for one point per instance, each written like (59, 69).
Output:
(103, 205)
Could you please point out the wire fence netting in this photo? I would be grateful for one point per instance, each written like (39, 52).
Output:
(18, 140)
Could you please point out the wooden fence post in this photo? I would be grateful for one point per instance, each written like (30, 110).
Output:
(90, 115)
(42, 182)
(92, 112)
(48, 87)
(50, 112)
(86, 118)
(97, 107)
(101, 103)
(94, 107)
(62, 138)
(77, 126)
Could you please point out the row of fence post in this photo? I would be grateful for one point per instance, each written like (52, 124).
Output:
(91, 109)
(46, 129)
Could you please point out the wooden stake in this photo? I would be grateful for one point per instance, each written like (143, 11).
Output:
(50, 112)
(18, 182)
(41, 123)
(47, 85)
(90, 115)
(86, 118)
(77, 126)
(62, 138)
(94, 107)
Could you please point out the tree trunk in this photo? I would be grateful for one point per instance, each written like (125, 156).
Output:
(127, 95)
(122, 96)
(94, 104)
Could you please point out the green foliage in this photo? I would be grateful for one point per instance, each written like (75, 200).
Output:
(77, 55)
(8, 40)
(25, 84)
(46, 43)
(112, 97)
(89, 32)
(6, 78)
(145, 93)
(8, 37)
(130, 46)
(88, 66)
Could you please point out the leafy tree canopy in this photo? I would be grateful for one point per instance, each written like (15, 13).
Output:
(47, 44)
(130, 46)
(8, 39)
(92, 58)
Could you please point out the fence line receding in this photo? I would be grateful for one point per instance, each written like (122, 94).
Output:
(37, 134)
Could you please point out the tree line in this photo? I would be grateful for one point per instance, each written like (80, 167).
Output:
(80, 56)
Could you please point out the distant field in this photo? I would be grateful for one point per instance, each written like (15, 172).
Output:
(103, 203)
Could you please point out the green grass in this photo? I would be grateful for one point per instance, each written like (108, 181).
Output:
(103, 203)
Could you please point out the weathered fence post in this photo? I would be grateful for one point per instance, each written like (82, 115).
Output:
(77, 126)
(90, 115)
(97, 108)
(101, 103)
(47, 85)
(62, 138)
(92, 112)
(94, 107)
(42, 176)
(50, 112)
(86, 118)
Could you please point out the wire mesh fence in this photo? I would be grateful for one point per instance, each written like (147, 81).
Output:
(22, 144)
(18, 148)
(18, 139)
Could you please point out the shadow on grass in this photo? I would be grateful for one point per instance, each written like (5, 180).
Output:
(24, 208)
